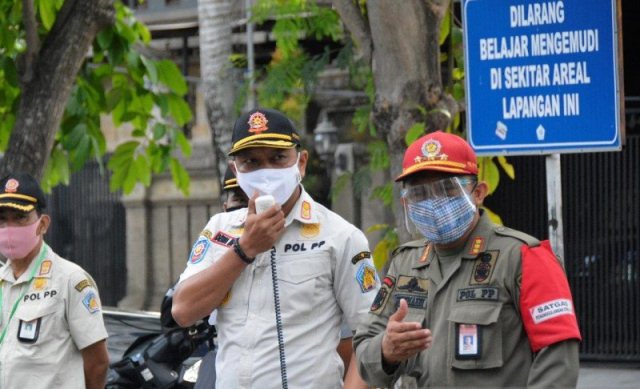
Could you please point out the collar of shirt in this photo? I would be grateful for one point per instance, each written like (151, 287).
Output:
(478, 239)
(6, 273)
(305, 210)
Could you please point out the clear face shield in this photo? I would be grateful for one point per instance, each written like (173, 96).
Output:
(442, 210)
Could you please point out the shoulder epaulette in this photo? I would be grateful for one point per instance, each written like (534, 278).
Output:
(409, 245)
(526, 238)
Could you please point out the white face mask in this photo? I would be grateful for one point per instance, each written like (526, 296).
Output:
(279, 183)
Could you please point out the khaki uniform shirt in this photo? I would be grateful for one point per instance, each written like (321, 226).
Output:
(58, 316)
(470, 300)
(325, 273)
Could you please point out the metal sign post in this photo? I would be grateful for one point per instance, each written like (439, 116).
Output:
(554, 201)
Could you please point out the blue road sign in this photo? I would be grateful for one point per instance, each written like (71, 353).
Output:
(542, 76)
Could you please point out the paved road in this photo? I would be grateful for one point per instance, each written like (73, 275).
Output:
(605, 375)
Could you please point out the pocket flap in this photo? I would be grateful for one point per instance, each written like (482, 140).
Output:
(415, 315)
(37, 312)
(483, 314)
(297, 271)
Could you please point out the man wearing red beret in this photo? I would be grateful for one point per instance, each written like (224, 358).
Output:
(473, 303)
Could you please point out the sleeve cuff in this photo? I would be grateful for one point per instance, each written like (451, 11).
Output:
(372, 368)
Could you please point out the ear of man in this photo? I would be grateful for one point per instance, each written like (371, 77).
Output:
(45, 220)
(302, 163)
(480, 192)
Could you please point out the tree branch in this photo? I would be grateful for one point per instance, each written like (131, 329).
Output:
(33, 42)
(44, 97)
(438, 7)
(357, 26)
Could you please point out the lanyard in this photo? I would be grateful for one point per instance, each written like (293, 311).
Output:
(17, 302)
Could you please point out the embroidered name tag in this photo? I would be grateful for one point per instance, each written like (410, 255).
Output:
(223, 239)
(485, 293)
(413, 300)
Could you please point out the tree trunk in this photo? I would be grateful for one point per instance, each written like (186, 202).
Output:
(45, 94)
(214, 18)
(406, 71)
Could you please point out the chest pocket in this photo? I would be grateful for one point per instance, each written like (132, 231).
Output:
(47, 318)
(485, 317)
(300, 282)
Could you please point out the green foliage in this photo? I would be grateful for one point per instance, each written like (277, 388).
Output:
(289, 78)
(378, 155)
(138, 93)
(11, 45)
(387, 243)
(493, 216)
(489, 171)
(47, 11)
(507, 167)
(384, 193)
(414, 132)
(339, 184)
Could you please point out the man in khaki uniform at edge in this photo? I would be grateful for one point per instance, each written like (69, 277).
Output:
(52, 335)
(473, 304)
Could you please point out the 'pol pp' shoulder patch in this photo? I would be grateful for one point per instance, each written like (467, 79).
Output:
(366, 277)
(90, 301)
(199, 250)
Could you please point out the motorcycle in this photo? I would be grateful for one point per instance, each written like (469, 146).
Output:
(169, 359)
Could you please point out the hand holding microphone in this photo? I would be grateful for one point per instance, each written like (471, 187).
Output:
(264, 225)
(264, 202)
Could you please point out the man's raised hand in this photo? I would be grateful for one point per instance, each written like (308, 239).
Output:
(402, 340)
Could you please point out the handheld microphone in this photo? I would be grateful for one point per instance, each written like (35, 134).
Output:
(264, 202)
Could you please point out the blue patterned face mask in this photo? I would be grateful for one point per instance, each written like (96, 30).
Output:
(443, 219)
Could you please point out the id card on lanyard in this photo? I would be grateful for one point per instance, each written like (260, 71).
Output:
(43, 252)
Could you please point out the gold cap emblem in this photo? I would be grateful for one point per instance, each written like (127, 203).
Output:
(11, 186)
(258, 123)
